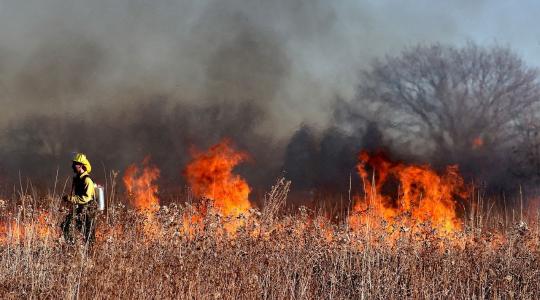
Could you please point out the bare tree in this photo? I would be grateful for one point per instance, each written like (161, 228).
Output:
(526, 152)
(455, 99)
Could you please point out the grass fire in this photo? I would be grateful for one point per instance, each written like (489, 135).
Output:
(424, 195)
(410, 237)
(210, 175)
(236, 149)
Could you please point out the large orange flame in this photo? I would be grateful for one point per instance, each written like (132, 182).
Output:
(140, 185)
(422, 196)
(210, 175)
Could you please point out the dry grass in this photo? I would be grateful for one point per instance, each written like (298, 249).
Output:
(272, 256)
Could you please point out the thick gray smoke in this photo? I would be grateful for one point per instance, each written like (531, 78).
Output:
(131, 79)
(124, 79)
(70, 56)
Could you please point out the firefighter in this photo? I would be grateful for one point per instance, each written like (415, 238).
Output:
(83, 211)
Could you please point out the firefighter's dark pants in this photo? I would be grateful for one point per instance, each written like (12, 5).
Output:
(82, 217)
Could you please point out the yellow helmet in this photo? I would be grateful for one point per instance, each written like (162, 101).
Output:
(81, 159)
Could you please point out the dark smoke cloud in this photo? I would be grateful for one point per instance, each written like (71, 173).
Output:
(78, 52)
(68, 55)
(326, 161)
(75, 92)
(116, 139)
(124, 79)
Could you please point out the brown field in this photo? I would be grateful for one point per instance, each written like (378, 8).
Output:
(264, 254)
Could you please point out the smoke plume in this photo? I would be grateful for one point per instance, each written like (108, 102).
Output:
(125, 79)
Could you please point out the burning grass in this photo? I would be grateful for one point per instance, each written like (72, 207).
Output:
(422, 195)
(211, 176)
(414, 243)
(271, 255)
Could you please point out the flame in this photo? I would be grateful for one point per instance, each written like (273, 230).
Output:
(191, 223)
(210, 175)
(11, 232)
(477, 143)
(42, 228)
(140, 185)
(423, 197)
(15, 231)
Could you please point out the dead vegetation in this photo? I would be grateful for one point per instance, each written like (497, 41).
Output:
(271, 255)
